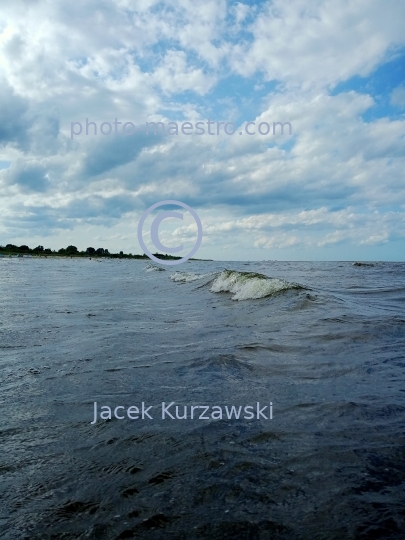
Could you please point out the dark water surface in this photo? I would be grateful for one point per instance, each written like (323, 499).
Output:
(324, 342)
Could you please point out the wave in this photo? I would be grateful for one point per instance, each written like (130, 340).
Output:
(154, 268)
(249, 285)
(187, 277)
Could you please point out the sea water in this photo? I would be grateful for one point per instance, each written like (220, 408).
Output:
(324, 343)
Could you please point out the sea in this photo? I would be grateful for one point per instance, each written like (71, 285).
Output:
(297, 369)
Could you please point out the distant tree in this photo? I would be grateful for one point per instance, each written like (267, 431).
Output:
(90, 250)
(62, 250)
(100, 251)
(106, 252)
(39, 248)
(24, 248)
(47, 250)
(121, 253)
(11, 247)
(71, 249)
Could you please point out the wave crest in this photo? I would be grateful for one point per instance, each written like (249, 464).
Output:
(249, 285)
(187, 277)
(150, 267)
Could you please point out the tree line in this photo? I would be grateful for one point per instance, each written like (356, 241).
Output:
(72, 251)
(68, 251)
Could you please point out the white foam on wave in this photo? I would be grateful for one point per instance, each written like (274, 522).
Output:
(248, 285)
(187, 277)
(154, 268)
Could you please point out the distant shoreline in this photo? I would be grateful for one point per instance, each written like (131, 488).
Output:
(109, 256)
(11, 251)
(24, 254)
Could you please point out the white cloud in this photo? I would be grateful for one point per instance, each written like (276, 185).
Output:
(398, 97)
(318, 188)
(311, 43)
(174, 75)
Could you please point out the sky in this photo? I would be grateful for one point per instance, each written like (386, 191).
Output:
(333, 189)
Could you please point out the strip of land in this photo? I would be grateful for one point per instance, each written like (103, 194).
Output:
(10, 250)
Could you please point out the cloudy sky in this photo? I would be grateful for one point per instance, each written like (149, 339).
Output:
(334, 189)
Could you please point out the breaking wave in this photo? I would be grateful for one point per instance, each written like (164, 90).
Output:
(187, 277)
(249, 285)
(154, 268)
